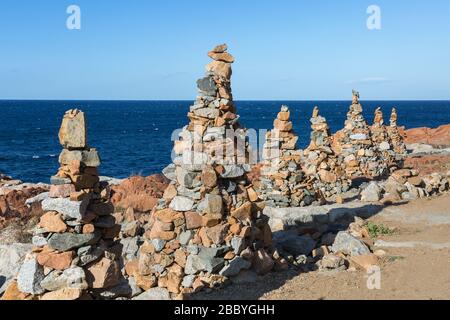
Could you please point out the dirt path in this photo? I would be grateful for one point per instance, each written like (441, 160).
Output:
(417, 272)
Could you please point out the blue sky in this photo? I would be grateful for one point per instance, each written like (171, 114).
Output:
(291, 49)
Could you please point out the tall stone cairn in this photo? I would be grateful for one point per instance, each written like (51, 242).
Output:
(396, 139)
(209, 225)
(74, 255)
(283, 183)
(360, 157)
(380, 138)
(320, 161)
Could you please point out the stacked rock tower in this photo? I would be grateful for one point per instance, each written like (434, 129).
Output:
(73, 256)
(320, 161)
(354, 145)
(396, 139)
(209, 224)
(283, 183)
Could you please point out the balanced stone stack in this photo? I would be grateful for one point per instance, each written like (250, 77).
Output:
(209, 225)
(283, 183)
(396, 139)
(320, 161)
(354, 145)
(380, 139)
(73, 256)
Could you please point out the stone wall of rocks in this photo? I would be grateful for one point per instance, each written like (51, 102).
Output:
(320, 161)
(283, 183)
(359, 156)
(209, 224)
(74, 254)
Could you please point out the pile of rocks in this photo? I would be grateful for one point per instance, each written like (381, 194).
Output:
(74, 254)
(405, 184)
(209, 224)
(283, 183)
(380, 139)
(355, 148)
(320, 161)
(396, 139)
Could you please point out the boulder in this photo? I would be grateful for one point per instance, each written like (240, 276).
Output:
(348, 244)
(69, 241)
(11, 258)
(72, 133)
(31, 273)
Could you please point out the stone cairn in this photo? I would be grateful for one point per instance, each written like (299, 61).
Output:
(320, 161)
(72, 256)
(396, 139)
(380, 139)
(209, 225)
(354, 145)
(283, 183)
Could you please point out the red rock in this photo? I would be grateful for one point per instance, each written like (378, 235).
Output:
(438, 137)
(209, 177)
(12, 293)
(167, 215)
(63, 294)
(224, 56)
(244, 212)
(146, 282)
(103, 274)
(139, 193)
(88, 228)
(61, 191)
(193, 220)
(211, 220)
(173, 282)
(52, 222)
(54, 260)
(218, 233)
(132, 267)
(365, 261)
(170, 193)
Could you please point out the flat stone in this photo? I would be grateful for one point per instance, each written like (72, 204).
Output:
(52, 222)
(103, 274)
(207, 85)
(69, 241)
(372, 193)
(89, 158)
(359, 136)
(74, 278)
(69, 209)
(54, 260)
(232, 171)
(66, 294)
(11, 259)
(89, 254)
(154, 294)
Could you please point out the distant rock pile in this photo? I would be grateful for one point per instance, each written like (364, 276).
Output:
(381, 140)
(320, 161)
(283, 183)
(209, 224)
(74, 255)
(355, 147)
(396, 139)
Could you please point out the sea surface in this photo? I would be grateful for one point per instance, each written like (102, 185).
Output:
(135, 137)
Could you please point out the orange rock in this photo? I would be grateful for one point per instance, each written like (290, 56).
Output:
(246, 232)
(282, 125)
(365, 261)
(180, 257)
(88, 228)
(52, 222)
(170, 193)
(167, 215)
(12, 292)
(284, 115)
(235, 228)
(145, 282)
(229, 255)
(58, 261)
(224, 56)
(252, 195)
(204, 237)
(173, 282)
(218, 233)
(132, 267)
(61, 191)
(193, 220)
(63, 294)
(244, 212)
(103, 274)
(211, 220)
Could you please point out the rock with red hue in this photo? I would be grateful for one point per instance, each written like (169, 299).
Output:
(139, 193)
(52, 222)
(54, 260)
(103, 274)
(434, 136)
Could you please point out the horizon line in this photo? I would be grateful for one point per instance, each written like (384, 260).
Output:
(237, 100)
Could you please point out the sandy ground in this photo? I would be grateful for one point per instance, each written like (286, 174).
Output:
(417, 272)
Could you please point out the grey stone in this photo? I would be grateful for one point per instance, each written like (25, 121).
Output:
(39, 241)
(169, 172)
(158, 244)
(238, 244)
(210, 113)
(349, 244)
(206, 260)
(331, 261)
(213, 204)
(232, 171)
(68, 241)
(181, 204)
(359, 136)
(154, 294)
(11, 258)
(89, 254)
(384, 146)
(297, 245)
(59, 181)
(207, 85)
(39, 198)
(69, 209)
(188, 281)
(185, 237)
(372, 193)
(235, 266)
(73, 278)
(30, 276)
(245, 277)
(130, 248)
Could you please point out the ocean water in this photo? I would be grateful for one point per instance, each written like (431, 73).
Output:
(134, 137)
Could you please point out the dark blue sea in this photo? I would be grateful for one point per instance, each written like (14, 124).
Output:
(134, 137)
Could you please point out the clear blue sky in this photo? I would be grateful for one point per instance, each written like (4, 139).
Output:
(299, 50)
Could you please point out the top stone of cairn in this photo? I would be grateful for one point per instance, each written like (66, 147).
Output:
(72, 134)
